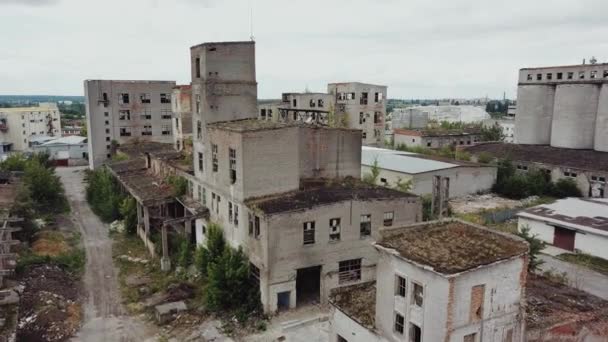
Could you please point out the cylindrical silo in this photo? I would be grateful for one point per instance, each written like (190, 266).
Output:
(601, 122)
(574, 114)
(534, 114)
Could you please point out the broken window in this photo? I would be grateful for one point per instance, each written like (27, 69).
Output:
(125, 131)
(549, 76)
(147, 130)
(214, 157)
(415, 333)
(539, 77)
(529, 77)
(334, 229)
(377, 117)
(295, 103)
(341, 96)
(400, 286)
(349, 270)
(123, 98)
(581, 75)
(105, 99)
(165, 114)
(399, 323)
(165, 130)
(593, 74)
(570, 173)
(309, 233)
(236, 215)
(198, 103)
(200, 162)
(378, 97)
(212, 200)
(199, 130)
(320, 103)
(263, 113)
(197, 66)
(469, 338)
(124, 114)
(605, 73)
(256, 227)
(204, 197)
(417, 294)
(570, 75)
(165, 98)
(560, 75)
(146, 115)
(363, 99)
(144, 98)
(229, 212)
(350, 96)
(366, 225)
(388, 218)
(364, 135)
(218, 199)
(232, 162)
(269, 114)
(477, 299)
(312, 103)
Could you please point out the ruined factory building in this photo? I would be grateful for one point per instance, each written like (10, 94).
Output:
(438, 281)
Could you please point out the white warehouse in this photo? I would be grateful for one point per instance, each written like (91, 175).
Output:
(570, 224)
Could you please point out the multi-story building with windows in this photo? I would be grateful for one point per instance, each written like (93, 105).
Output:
(23, 127)
(126, 111)
(181, 102)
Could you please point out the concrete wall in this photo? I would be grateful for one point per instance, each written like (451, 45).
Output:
(181, 105)
(269, 110)
(329, 153)
(347, 328)
(574, 114)
(374, 132)
(287, 253)
(593, 243)
(64, 150)
(103, 119)
(24, 124)
(601, 121)
(534, 114)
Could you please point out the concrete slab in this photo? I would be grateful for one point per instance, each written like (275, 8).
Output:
(165, 311)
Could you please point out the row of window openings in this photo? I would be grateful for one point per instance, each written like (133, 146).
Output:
(264, 112)
(365, 228)
(197, 66)
(215, 162)
(312, 103)
(363, 117)
(567, 173)
(569, 75)
(376, 134)
(126, 115)
(147, 130)
(144, 98)
(363, 99)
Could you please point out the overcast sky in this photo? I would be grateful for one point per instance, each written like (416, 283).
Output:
(420, 49)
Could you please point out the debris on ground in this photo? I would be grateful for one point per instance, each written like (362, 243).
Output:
(128, 258)
(558, 312)
(50, 308)
(165, 312)
(476, 203)
(117, 226)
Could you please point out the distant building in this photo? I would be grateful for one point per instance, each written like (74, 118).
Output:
(507, 127)
(438, 281)
(181, 103)
(410, 118)
(511, 111)
(69, 150)
(22, 125)
(402, 167)
(67, 131)
(435, 138)
(572, 224)
(588, 168)
(269, 109)
(451, 113)
(126, 111)
(563, 106)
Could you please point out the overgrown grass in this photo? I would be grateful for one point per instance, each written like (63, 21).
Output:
(595, 263)
(56, 248)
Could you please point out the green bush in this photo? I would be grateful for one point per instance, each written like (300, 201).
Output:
(484, 158)
(184, 253)
(565, 187)
(128, 210)
(104, 195)
(536, 246)
(178, 184)
(45, 187)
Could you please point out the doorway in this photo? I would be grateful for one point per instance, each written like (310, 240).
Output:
(308, 285)
(283, 300)
(564, 238)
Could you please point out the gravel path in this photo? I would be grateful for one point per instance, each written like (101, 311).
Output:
(104, 316)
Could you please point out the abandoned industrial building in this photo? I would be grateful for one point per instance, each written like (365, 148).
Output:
(299, 210)
(22, 127)
(435, 139)
(437, 281)
(124, 111)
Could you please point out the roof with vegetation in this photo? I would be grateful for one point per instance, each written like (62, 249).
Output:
(452, 246)
(324, 193)
(357, 302)
(556, 156)
(251, 125)
(140, 181)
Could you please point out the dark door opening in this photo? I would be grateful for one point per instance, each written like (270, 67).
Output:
(564, 238)
(308, 285)
(283, 300)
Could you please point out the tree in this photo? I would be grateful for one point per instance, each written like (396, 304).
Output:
(493, 133)
(404, 186)
(104, 195)
(44, 187)
(372, 177)
(128, 211)
(565, 187)
(536, 246)
(14, 162)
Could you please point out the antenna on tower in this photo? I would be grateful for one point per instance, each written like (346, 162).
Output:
(251, 22)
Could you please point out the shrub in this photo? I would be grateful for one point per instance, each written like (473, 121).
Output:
(104, 195)
(184, 253)
(372, 177)
(536, 246)
(484, 158)
(565, 187)
(178, 184)
(128, 210)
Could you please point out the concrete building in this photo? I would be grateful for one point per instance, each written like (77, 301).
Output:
(438, 281)
(401, 167)
(309, 108)
(126, 111)
(435, 138)
(69, 150)
(571, 224)
(364, 106)
(20, 126)
(588, 168)
(181, 104)
(439, 113)
(269, 109)
(410, 118)
(507, 127)
(564, 106)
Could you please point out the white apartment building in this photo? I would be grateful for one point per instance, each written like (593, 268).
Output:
(21, 127)
(438, 281)
(126, 111)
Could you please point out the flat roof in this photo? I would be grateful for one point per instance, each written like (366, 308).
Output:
(451, 246)
(140, 181)
(330, 192)
(249, 125)
(577, 213)
(131, 81)
(567, 66)
(69, 140)
(359, 83)
(357, 302)
(564, 157)
(405, 162)
(223, 43)
(436, 132)
(43, 107)
(138, 148)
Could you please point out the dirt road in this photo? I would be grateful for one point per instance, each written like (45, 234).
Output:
(104, 316)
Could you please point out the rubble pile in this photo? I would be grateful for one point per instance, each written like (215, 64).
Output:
(50, 308)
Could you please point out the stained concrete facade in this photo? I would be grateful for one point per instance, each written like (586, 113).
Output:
(268, 110)
(126, 111)
(564, 106)
(364, 106)
(21, 127)
(434, 139)
(181, 105)
(309, 107)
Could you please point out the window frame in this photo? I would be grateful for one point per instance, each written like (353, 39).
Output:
(308, 233)
(349, 271)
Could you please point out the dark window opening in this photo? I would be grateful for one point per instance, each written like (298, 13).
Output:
(214, 157)
(400, 286)
(197, 64)
(399, 323)
(334, 229)
(388, 218)
(363, 99)
(366, 225)
(349, 270)
(232, 162)
(200, 162)
(309, 233)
